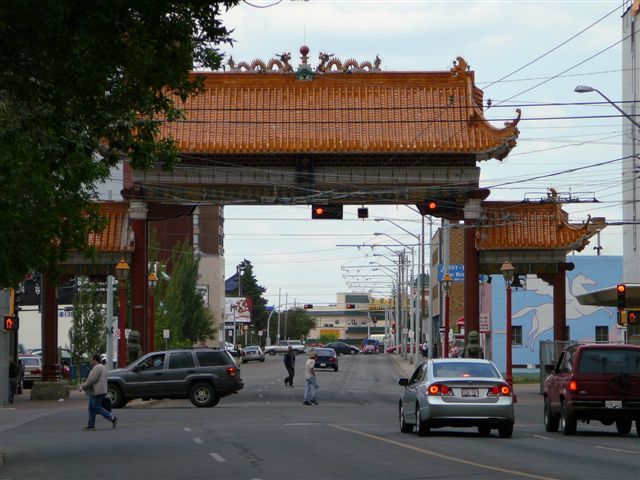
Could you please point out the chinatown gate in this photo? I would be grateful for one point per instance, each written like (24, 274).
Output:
(344, 133)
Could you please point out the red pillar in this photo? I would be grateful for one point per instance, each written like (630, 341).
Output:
(446, 324)
(151, 320)
(139, 315)
(509, 374)
(122, 321)
(50, 367)
(471, 276)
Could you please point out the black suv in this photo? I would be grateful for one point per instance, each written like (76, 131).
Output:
(203, 375)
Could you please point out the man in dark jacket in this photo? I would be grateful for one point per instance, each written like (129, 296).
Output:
(290, 365)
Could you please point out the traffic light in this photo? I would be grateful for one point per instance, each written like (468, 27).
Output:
(621, 290)
(438, 207)
(351, 306)
(633, 317)
(363, 212)
(307, 306)
(326, 212)
(393, 328)
(10, 323)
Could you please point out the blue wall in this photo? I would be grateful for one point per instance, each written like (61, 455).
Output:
(532, 308)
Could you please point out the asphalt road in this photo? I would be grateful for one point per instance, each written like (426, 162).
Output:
(265, 432)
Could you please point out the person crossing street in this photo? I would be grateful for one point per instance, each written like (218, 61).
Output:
(96, 388)
(290, 365)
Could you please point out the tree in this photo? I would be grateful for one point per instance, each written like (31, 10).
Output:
(180, 306)
(87, 333)
(83, 84)
(299, 324)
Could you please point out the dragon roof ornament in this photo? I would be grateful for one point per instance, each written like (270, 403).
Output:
(328, 64)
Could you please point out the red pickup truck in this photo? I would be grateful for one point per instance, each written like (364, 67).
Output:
(594, 382)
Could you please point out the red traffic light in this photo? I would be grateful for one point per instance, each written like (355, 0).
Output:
(10, 323)
(307, 306)
(351, 306)
(326, 212)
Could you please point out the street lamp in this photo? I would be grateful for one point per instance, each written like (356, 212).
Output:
(588, 89)
(122, 274)
(507, 273)
(152, 280)
(446, 286)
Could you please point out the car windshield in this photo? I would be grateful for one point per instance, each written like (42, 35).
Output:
(30, 361)
(613, 360)
(464, 369)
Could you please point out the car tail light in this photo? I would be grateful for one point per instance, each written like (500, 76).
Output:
(499, 390)
(332, 359)
(231, 371)
(573, 386)
(36, 371)
(438, 389)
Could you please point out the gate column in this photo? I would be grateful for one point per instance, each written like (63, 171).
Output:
(471, 267)
(138, 216)
(558, 281)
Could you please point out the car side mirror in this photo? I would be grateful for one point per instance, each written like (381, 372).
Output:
(136, 368)
(403, 382)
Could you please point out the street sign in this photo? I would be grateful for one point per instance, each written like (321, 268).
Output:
(165, 334)
(411, 333)
(485, 323)
(116, 333)
(127, 331)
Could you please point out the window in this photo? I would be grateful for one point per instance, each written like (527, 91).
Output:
(207, 358)
(180, 360)
(602, 334)
(516, 335)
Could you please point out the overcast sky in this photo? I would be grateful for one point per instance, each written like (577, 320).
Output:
(300, 257)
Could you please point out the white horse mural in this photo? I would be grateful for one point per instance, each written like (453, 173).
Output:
(542, 319)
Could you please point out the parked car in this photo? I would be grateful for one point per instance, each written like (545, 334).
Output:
(342, 348)
(283, 346)
(230, 347)
(398, 349)
(32, 368)
(370, 345)
(594, 382)
(326, 358)
(203, 375)
(460, 392)
(252, 353)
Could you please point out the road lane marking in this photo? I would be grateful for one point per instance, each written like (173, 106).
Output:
(443, 456)
(187, 429)
(197, 439)
(542, 437)
(217, 456)
(614, 449)
(302, 424)
(260, 395)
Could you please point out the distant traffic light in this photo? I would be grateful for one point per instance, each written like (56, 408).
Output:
(10, 323)
(621, 290)
(393, 328)
(307, 306)
(633, 317)
(363, 212)
(326, 212)
(351, 306)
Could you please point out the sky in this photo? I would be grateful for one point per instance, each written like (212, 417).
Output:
(297, 259)
(525, 54)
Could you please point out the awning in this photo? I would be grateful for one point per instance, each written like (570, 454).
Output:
(608, 297)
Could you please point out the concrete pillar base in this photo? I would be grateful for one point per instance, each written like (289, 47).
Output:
(50, 390)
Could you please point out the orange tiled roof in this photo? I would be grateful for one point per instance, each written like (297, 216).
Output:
(532, 226)
(118, 235)
(338, 112)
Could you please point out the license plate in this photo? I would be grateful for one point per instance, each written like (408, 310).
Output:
(613, 403)
(469, 392)
(323, 364)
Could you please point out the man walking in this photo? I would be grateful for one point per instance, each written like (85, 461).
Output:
(13, 379)
(310, 377)
(96, 388)
(290, 365)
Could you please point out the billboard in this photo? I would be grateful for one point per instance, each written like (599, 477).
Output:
(238, 307)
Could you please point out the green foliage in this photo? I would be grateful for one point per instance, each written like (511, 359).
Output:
(81, 84)
(299, 324)
(250, 288)
(179, 305)
(328, 337)
(87, 333)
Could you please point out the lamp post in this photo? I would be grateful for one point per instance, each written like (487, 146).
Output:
(446, 286)
(122, 274)
(588, 89)
(507, 273)
(152, 280)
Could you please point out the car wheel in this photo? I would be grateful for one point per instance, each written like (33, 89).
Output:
(551, 421)
(404, 426)
(484, 430)
(272, 353)
(423, 426)
(114, 392)
(623, 426)
(203, 395)
(505, 430)
(568, 422)
(335, 369)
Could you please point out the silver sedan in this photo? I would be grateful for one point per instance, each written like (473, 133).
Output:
(456, 392)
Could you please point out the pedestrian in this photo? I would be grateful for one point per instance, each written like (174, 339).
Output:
(310, 377)
(13, 379)
(290, 365)
(96, 388)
